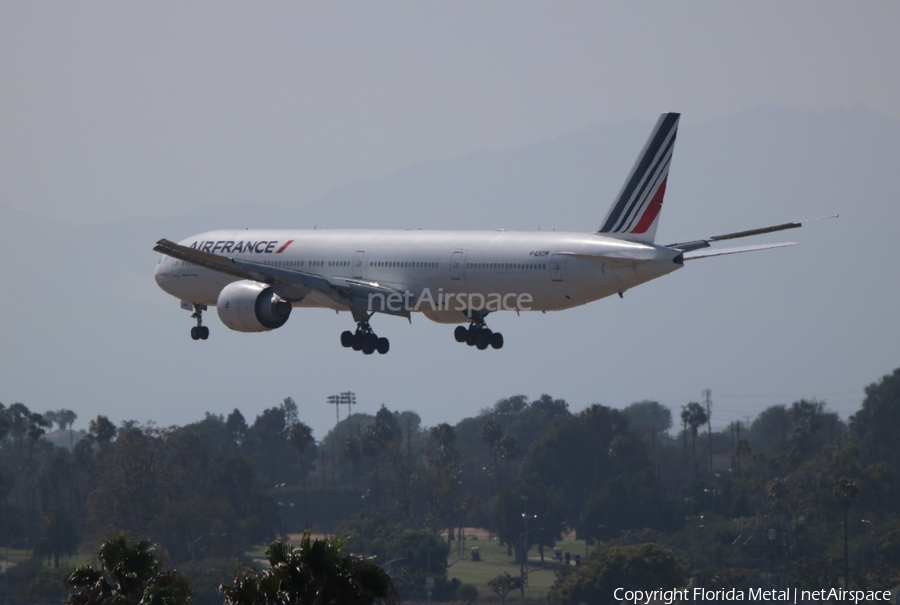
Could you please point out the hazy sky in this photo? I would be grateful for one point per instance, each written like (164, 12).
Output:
(116, 110)
(119, 109)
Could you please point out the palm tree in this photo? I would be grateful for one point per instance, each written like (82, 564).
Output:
(846, 492)
(316, 572)
(695, 416)
(491, 434)
(66, 418)
(130, 573)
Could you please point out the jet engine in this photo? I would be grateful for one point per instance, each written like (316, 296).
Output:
(249, 306)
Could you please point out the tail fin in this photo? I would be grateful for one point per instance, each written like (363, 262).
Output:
(635, 213)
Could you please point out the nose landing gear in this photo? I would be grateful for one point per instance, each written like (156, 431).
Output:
(365, 340)
(478, 335)
(199, 332)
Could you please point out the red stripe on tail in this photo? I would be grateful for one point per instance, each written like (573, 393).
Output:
(652, 210)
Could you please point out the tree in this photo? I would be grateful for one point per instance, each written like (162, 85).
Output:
(542, 506)
(491, 434)
(52, 418)
(130, 573)
(290, 410)
(236, 425)
(5, 422)
(316, 572)
(443, 451)
(58, 537)
(18, 414)
(380, 441)
(35, 428)
(66, 418)
(188, 489)
(102, 430)
(508, 450)
(647, 416)
(846, 492)
(441, 478)
(640, 567)
(413, 556)
(504, 584)
(266, 446)
(874, 425)
(769, 431)
(694, 415)
(628, 501)
(532, 423)
(581, 452)
(300, 437)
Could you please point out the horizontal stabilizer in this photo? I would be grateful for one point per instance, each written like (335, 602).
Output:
(723, 251)
(704, 243)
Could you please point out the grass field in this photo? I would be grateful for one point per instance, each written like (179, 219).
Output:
(15, 556)
(494, 562)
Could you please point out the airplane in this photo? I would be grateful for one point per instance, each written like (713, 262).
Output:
(255, 278)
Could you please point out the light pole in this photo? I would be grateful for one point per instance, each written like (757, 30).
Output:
(871, 541)
(523, 549)
(714, 492)
(523, 565)
(347, 398)
(460, 537)
(693, 547)
(281, 506)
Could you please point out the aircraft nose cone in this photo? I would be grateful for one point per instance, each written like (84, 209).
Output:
(162, 273)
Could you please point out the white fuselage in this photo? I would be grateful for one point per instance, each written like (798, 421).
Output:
(555, 270)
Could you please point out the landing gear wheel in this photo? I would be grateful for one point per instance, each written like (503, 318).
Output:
(478, 335)
(365, 340)
(483, 339)
(199, 332)
(497, 340)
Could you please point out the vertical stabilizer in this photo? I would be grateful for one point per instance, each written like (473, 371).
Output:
(635, 213)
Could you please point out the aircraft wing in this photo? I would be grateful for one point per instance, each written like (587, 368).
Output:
(290, 284)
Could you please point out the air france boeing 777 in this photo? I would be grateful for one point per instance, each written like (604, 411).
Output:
(256, 277)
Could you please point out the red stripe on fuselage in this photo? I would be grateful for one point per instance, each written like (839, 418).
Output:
(280, 250)
(652, 210)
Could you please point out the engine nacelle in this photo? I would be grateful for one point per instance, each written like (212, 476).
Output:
(249, 306)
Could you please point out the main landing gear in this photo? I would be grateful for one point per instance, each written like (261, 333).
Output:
(478, 335)
(365, 340)
(199, 332)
